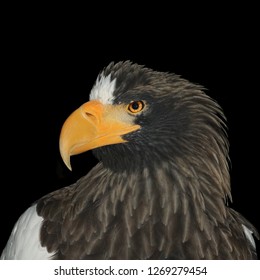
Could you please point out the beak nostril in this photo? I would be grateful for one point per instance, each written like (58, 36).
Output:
(90, 117)
(91, 110)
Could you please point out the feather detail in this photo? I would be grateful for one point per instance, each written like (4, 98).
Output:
(161, 193)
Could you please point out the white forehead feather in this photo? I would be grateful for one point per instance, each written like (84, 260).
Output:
(103, 89)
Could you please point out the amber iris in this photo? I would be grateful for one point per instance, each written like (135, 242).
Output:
(136, 106)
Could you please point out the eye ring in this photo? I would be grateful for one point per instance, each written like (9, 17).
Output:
(135, 106)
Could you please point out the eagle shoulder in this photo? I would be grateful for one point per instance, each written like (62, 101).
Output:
(24, 241)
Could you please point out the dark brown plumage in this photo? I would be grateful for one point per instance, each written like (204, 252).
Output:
(163, 191)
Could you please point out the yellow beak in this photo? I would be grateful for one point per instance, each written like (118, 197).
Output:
(93, 125)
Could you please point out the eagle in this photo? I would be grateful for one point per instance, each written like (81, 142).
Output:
(161, 187)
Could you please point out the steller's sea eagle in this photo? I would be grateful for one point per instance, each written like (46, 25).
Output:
(161, 187)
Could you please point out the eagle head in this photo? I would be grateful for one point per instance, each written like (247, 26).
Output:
(136, 116)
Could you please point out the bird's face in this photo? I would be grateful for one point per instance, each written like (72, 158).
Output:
(134, 114)
(96, 124)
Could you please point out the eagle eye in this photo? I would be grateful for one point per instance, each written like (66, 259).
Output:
(135, 106)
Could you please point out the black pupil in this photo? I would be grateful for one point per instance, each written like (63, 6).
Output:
(135, 105)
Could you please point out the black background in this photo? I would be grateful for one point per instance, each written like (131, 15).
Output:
(52, 60)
